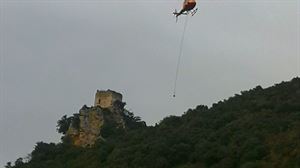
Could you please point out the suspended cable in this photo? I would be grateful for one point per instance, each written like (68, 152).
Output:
(179, 56)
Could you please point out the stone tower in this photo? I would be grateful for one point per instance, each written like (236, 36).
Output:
(108, 109)
(107, 99)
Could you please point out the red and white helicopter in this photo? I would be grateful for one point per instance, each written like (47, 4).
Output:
(188, 6)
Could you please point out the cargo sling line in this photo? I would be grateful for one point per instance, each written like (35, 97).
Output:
(179, 56)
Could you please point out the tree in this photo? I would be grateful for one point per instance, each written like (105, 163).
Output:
(8, 165)
(63, 124)
(19, 162)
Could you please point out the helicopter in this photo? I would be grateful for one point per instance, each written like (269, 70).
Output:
(188, 6)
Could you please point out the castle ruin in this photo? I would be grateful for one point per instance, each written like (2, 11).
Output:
(107, 99)
(91, 119)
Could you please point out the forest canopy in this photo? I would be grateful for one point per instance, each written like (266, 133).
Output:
(256, 128)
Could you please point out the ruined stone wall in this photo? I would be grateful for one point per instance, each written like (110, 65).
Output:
(106, 99)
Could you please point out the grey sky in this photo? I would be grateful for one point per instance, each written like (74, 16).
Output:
(56, 53)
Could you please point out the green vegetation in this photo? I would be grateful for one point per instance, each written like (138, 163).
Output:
(64, 123)
(257, 128)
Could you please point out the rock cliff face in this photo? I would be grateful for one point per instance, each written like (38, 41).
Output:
(89, 125)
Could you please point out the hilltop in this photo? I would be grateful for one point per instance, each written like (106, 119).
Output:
(256, 128)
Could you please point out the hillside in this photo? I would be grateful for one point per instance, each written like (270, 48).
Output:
(257, 128)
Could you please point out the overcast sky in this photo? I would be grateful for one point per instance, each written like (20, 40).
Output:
(55, 54)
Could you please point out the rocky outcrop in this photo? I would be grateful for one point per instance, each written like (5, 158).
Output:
(91, 121)
(87, 127)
